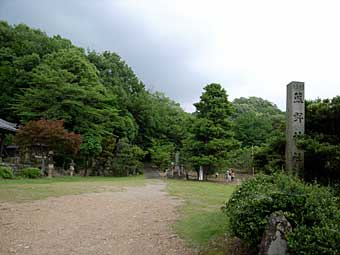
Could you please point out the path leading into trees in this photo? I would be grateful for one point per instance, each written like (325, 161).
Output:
(135, 221)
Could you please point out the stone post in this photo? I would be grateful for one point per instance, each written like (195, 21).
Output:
(200, 176)
(177, 168)
(50, 164)
(72, 168)
(295, 125)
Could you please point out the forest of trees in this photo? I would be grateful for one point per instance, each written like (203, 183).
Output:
(122, 124)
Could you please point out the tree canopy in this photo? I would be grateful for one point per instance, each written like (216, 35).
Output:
(211, 136)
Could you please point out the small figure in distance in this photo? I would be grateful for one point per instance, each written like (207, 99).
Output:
(216, 175)
(232, 175)
(227, 174)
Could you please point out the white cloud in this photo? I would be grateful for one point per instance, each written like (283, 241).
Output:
(253, 47)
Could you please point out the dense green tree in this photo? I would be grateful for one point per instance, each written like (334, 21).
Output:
(252, 129)
(270, 157)
(21, 49)
(212, 136)
(128, 158)
(255, 120)
(322, 140)
(66, 86)
(95, 94)
(151, 115)
(254, 104)
(162, 154)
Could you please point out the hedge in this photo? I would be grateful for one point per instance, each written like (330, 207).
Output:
(313, 212)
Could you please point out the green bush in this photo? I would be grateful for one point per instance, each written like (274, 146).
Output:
(30, 172)
(6, 173)
(312, 211)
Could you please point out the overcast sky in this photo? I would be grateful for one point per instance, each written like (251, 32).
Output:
(252, 48)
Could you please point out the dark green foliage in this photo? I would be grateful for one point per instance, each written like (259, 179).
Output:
(95, 94)
(6, 173)
(313, 212)
(270, 157)
(128, 159)
(211, 135)
(31, 173)
(322, 141)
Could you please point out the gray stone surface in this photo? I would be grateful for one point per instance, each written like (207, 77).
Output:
(274, 239)
(295, 125)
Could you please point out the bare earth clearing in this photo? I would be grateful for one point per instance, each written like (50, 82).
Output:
(135, 221)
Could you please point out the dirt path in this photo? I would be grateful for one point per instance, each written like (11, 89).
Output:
(135, 221)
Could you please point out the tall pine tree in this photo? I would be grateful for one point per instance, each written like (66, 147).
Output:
(212, 137)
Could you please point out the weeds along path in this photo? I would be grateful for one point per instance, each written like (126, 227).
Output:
(135, 221)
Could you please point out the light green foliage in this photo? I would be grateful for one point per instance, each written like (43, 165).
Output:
(312, 211)
(21, 49)
(30, 172)
(252, 128)
(254, 104)
(162, 154)
(23, 190)
(118, 78)
(242, 158)
(201, 217)
(91, 145)
(211, 136)
(255, 120)
(6, 173)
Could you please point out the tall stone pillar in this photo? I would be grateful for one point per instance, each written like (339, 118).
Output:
(177, 168)
(200, 175)
(295, 125)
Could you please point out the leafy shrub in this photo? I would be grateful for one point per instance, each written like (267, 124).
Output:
(6, 173)
(31, 173)
(312, 211)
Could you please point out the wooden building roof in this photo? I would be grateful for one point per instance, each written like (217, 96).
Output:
(5, 125)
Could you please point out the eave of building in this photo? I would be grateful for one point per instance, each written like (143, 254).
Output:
(5, 125)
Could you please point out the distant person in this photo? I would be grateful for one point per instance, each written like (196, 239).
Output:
(216, 175)
(227, 175)
(232, 175)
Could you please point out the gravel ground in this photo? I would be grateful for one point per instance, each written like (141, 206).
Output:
(135, 221)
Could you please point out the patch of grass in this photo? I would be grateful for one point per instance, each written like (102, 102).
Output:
(201, 217)
(22, 190)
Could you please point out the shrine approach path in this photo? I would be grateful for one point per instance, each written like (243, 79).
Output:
(136, 220)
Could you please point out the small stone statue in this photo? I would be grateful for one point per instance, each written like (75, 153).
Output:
(274, 240)
(50, 164)
(72, 168)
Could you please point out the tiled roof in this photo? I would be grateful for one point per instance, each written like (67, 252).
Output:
(7, 125)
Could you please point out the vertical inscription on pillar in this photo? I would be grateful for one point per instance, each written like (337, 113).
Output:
(295, 125)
